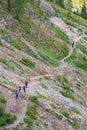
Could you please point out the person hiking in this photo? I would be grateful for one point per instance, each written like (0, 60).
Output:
(26, 84)
(16, 93)
(24, 88)
(19, 88)
(73, 44)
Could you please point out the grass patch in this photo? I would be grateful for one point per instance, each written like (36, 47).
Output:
(22, 47)
(85, 38)
(47, 109)
(66, 114)
(44, 86)
(68, 94)
(41, 39)
(40, 95)
(59, 116)
(79, 59)
(34, 99)
(10, 83)
(7, 63)
(27, 62)
(32, 111)
(11, 65)
(29, 122)
(83, 48)
(75, 110)
(86, 32)
(47, 77)
(60, 33)
(69, 22)
(48, 59)
(74, 123)
(65, 84)
(63, 79)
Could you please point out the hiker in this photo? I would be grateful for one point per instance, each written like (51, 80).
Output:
(19, 88)
(26, 84)
(24, 88)
(16, 93)
(73, 44)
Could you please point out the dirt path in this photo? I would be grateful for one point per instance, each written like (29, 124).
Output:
(14, 105)
(72, 34)
(18, 106)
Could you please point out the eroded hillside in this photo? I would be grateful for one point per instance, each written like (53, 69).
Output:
(38, 49)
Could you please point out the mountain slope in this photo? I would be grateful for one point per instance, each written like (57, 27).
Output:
(36, 50)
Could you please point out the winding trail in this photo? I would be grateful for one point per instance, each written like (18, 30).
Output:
(72, 34)
(18, 106)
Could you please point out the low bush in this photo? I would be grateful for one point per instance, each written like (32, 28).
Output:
(29, 122)
(66, 114)
(2, 100)
(32, 111)
(27, 62)
(75, 110)
(6, 118)
(68, 94)
(34, 99)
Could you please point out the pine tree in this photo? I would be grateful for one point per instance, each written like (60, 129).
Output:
(17, 6)
(60, 3)
(9, 4)
(84, 10)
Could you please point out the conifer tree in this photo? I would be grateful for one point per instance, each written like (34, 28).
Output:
(17, 6)
(60, 3)
(84, 10)
(9, 4)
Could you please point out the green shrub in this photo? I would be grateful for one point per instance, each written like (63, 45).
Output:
(2, 100)
(40, 95)
(68, 94)
(29, 122)
(65, 87)
(7, 63)
(69, 22)
(47, 109)
(75, 110)
(10, 118)
(66, 114)
(34, 99)
(74, 123)
(32, 111)
(79, 59)
(27, 62)
(2, 110)
(6, 118)
(44, 86)
(59, 116)
(86, 32)
(2, 122)
(63, 79)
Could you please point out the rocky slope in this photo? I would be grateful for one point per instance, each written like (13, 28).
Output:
(31, 50)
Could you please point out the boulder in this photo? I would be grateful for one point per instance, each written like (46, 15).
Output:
(47, 8)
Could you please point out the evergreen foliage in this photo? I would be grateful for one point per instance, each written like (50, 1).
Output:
(84, 11)
(16, 6)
